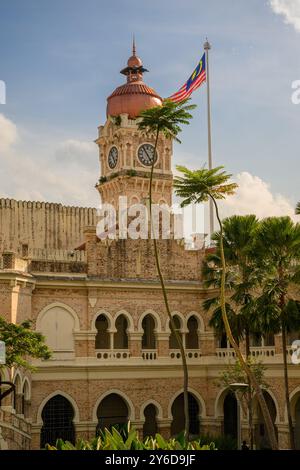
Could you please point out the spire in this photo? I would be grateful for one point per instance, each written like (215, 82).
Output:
(133, 46)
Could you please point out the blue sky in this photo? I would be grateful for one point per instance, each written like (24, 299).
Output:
(60, 59)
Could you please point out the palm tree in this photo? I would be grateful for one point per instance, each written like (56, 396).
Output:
(167, 119)
(297, 211)
(278, 247)
(241, 280)
(200, 186)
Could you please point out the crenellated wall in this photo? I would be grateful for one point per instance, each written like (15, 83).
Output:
(42, 225)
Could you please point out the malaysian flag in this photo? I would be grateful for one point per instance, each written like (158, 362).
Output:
(196, 79)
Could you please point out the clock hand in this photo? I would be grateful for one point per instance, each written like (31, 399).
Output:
(149, 156)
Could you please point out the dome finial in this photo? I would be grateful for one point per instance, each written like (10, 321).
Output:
(133, 46)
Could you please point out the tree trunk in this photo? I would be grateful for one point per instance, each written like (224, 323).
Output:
(286, 386)
(247, 370)
(165, 296)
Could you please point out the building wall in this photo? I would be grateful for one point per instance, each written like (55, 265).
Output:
(42, 225)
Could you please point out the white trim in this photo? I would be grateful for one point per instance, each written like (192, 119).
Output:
(158, 407)
(156, 318)
(192, 391)
(28, 395)
(183, 328)
(109, 317)
(130, 328)
(19, 388)
(293, 401)
(131, 412)
(201, 326)
(76, 419)
(219, 402)
(277, 419)
(61, 305)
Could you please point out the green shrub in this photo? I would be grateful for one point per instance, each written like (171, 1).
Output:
(114, 440)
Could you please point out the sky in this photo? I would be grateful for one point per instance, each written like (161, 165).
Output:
(60, 59)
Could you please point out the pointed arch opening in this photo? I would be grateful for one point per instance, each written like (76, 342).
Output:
(57, 417)
(178, 420)
(192, 338)
(121, 334)
(102, 340)
(148, 338)
(173, 344)
(150, 427)
(112, 411)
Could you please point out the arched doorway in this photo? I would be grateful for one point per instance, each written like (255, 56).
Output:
(297, 424)
(150, 425)
(230, 415)
(261, 434)
(177, 410)
(57, 416)
(148, 339)
(112, 411)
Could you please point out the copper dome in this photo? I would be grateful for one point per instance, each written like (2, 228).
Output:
(134, 96)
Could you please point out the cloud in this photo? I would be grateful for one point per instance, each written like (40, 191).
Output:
(8, 133)
(289, 9)
(254, 196)
(79, 151)
(64, 172)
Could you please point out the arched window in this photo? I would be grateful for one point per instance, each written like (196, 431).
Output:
(57, 325)
(25, 399)
(121, 336)
(148, 339)
(112, 411)
(173, 344)
(102, 338)
(192, 341)
(177, 409)
(57, 416)
(150, 424)
(18, 395)
(230, 415)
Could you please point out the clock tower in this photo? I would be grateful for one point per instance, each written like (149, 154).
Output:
(125, 152)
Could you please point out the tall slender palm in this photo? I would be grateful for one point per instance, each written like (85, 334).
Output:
(167, 119)
(278, 246)
(242, 278)
(298, 209)
(199, 186)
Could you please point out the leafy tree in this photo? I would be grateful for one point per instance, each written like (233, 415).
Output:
(278, 250)
(167, 119)
(297, 211)
(242, 279)
(200, 186)
(234, 373)
(21, 343)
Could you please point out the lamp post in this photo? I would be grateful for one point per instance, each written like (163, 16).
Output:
(236, 387)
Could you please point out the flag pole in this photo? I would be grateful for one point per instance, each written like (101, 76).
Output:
(207, 47)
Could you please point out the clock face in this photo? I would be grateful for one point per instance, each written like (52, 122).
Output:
(113, 157)
(146, 154)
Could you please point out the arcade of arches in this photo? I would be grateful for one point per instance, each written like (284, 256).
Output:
(113, 410)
